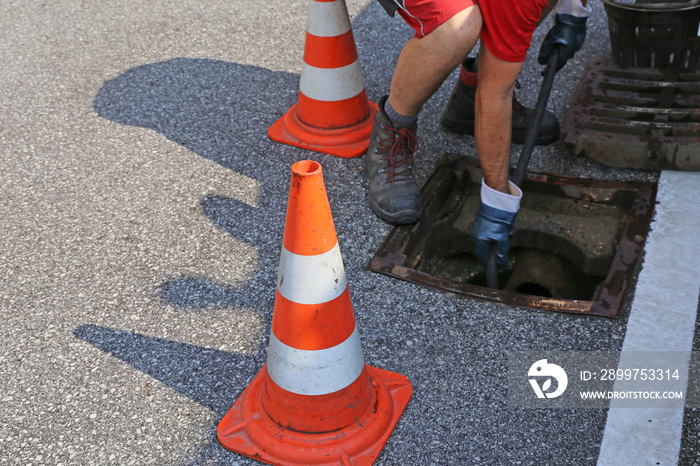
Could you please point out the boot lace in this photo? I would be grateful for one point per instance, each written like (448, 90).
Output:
(396, 149)
(517, 106)
(516, 86)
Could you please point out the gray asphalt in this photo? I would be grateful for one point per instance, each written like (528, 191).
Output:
(142, 210)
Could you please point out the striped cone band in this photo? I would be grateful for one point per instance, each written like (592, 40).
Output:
(310, 290)
(332, 98)
(333, 116)
(311, 279)
(314, 346)
(327, 18)
(312, 327)
(331, 88)
(320, 413)
(329, 52)
(320, 372)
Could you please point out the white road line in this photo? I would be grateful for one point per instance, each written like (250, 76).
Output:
(662, 318)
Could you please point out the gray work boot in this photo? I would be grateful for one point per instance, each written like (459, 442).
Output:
(458, 116)
(393, 194)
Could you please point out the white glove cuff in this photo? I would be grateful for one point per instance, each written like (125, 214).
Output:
(496, 199)
(574, 8)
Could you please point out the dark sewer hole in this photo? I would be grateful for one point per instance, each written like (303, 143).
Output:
(534, 289)
(529, 272)
(574, 250)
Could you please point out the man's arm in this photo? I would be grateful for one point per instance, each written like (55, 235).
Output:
(494, 108)
(500, 199)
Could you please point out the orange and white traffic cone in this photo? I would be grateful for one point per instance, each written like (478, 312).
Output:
(315, 402)
(333, 114)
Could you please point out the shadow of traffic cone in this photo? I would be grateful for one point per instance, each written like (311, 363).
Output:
(315, 402)
(333, 114)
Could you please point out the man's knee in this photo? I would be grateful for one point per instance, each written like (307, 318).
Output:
(455, 37)
(464, 25)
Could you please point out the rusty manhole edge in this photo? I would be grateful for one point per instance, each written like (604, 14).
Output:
(498, 296)
(400, 234)
(614, 288)
(633, 236)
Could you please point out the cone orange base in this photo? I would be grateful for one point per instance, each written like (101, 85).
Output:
(247, 429)
(347, 142)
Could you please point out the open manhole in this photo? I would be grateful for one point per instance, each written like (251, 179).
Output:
(574, 250)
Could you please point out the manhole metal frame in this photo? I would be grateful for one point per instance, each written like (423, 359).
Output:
(390, 258)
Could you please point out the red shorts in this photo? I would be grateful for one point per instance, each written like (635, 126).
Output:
(426, 15)
(508, 24)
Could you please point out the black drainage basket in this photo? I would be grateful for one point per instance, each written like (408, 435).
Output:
(655, 33)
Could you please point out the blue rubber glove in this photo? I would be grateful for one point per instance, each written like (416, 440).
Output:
(568, 33)
(493, 226)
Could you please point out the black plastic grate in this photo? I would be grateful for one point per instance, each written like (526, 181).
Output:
(636, 117)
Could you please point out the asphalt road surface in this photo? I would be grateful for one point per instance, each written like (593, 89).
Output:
(141, 216)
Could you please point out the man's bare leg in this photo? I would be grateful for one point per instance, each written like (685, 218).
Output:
(424, 63)
(459, 114)
(422, 67)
